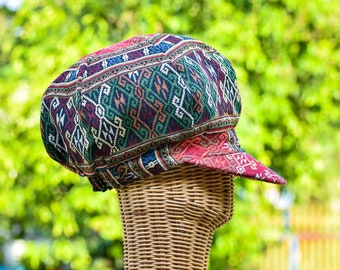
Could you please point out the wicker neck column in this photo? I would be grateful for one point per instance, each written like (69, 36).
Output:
(169, 219)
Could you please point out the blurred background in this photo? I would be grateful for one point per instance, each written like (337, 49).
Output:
(287, 58)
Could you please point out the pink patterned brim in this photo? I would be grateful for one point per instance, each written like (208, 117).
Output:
(221, 151)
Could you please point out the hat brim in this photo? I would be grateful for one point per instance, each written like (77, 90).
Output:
(221, 151)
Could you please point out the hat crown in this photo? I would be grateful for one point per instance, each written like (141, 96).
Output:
(124, 99)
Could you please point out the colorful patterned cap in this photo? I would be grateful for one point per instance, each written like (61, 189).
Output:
(143, 106)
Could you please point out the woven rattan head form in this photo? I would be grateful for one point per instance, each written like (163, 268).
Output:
(169, 219)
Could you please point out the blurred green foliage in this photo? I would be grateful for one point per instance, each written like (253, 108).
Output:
(287, 58)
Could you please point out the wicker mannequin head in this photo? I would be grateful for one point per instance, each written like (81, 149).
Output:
(169, 219)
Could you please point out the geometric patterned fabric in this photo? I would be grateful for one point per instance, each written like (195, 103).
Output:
(131, 110)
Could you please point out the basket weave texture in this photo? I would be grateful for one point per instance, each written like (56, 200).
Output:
(169, 219)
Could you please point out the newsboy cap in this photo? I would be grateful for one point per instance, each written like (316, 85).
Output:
(143, 106)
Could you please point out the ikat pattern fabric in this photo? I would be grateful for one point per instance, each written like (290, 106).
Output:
(119, 115)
